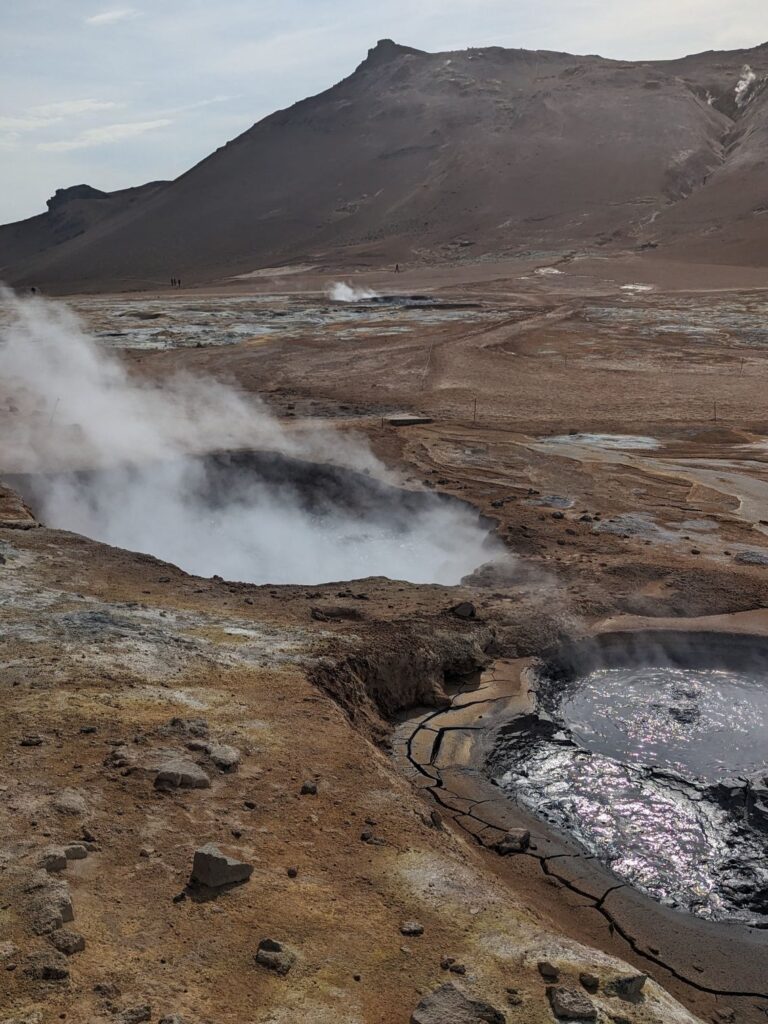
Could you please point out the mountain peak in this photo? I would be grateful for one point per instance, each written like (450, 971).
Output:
(386, 50)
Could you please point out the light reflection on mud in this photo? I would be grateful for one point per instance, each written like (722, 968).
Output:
(628, 777)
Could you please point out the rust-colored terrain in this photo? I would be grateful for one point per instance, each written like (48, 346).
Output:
(115, 663)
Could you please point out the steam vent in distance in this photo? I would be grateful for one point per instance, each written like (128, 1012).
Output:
(383, 517)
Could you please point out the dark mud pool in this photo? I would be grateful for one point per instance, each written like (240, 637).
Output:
(658, 769)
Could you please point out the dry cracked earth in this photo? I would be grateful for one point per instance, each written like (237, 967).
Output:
(147, 713)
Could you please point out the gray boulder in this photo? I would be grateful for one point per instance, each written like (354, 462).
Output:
(68, 942)
(46, 966)
(53, 858)
(213, 868)
(570, 1004)
(70, 802)
(76, 851)
(627, 986)
(225, 758)
(181, 773)
(48, 903)
(449, 1005)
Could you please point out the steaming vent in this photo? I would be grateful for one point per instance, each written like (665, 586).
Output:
(203, 476)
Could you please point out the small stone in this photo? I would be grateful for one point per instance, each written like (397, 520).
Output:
(134, 1015)
(146, 852)
(448, 1005)
(275, 957)
(517, 840)
(249, 805)
(589, 981)
(53, 858)
(225, 758)
(513, 997)
(309, 789)
(437, 820)
(31, 741)
(464, 610)
(49, 904)
(69, 801)
(68, 942)
(412, 928)
(214, 869)
(293, 872)
(548, 971)
(47, 966)
(570, 1004)
(76, 851)
(181, 774)
(627, 986)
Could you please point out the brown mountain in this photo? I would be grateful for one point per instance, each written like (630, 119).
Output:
(416, 155)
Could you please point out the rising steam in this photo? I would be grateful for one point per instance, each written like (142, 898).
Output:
(744, 85)
(340, 291)
(67, 405)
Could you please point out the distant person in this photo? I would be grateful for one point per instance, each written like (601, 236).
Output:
(178, 282)
(173, 282)
(397, 268)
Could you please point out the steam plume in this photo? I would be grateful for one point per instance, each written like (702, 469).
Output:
(71, 405)
(343, 292)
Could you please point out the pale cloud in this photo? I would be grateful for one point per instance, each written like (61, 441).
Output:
(110, 17)
(104, 136)
(71, 108)
(18, 125)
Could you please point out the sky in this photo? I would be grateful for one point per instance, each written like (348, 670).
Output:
(116, 93)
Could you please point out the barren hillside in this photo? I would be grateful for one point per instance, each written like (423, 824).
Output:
(428, 157)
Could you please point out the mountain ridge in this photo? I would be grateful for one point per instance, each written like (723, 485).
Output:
(415, 154)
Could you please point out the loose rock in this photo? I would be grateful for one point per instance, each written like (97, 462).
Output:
(225, 758)
(412, 928)
(134, 1015)
(464, 610)
(517, 840)
(449, 1005)
(47, 966)
(570, 1004)
(275, 957)
(48, 903)
(627, 986)
(69, 801)
(309, 788)
(548, 971)
(181, 774)
(53, 858)
(590, 981)
(68, 942)
(213, 868)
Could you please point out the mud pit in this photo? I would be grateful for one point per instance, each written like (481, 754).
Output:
(651, 751)
(263, 517)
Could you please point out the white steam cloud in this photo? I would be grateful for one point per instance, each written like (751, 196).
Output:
(67, 405)
(744, 84)
(340, 291)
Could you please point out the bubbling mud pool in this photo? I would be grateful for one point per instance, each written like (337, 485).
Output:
(657, 766)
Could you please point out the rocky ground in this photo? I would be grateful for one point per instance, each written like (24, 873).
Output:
(148, 714)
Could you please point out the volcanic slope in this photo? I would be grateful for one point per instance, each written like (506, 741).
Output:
(419, 156)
